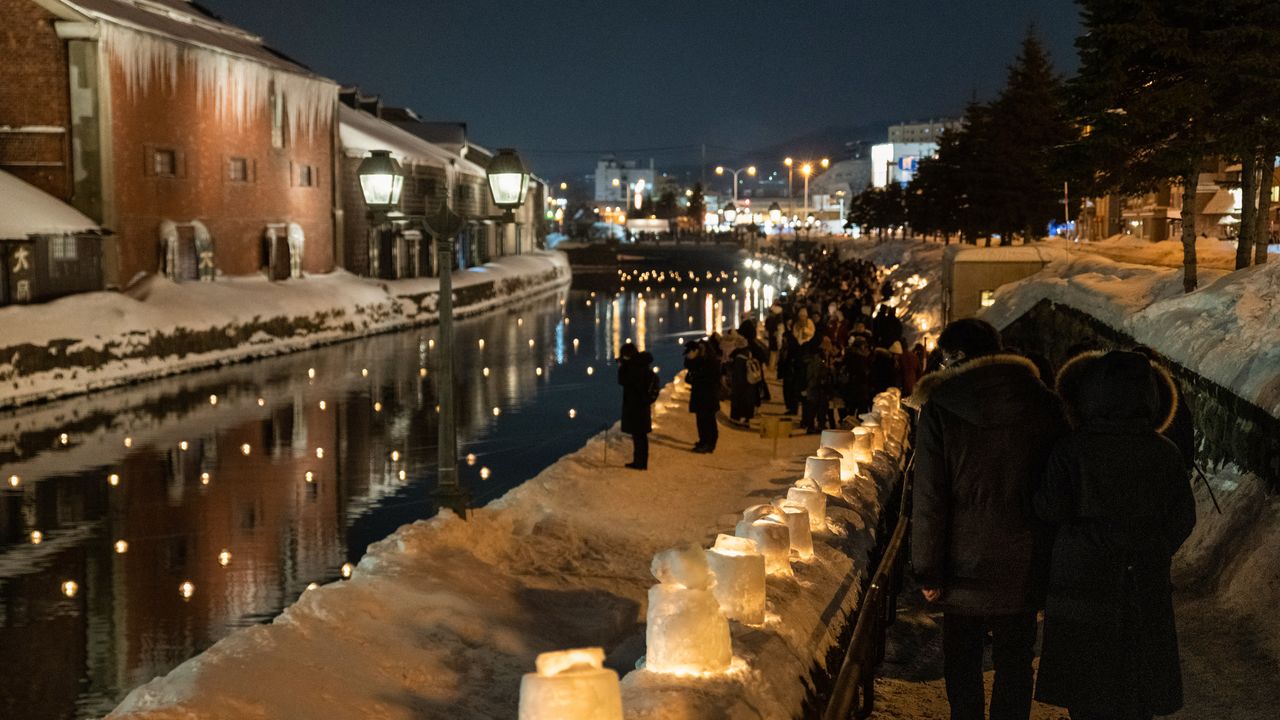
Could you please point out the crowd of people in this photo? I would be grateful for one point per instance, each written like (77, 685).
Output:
(828, 346)
(1035, 492)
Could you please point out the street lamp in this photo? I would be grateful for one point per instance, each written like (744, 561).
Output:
(790, 163)
(508, 184)
(381, 180)
(775, 213)
(750, 170)
(730, 213)
(807, 170)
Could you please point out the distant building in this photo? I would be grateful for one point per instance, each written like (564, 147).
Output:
(202, 150)
(898, 162)
(922, 132)
(1157, 216)
(617, 181)
(909, 143)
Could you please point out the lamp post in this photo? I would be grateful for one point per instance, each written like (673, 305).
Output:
(790, 166)
(731, 217)
(508, 184)
(750, 170)
(381, 180)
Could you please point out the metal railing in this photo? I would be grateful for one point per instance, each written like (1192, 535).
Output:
(853, 694)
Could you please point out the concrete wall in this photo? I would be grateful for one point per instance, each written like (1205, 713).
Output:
(1228, 428)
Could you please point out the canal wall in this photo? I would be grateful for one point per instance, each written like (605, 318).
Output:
(445, 616)
(157, 327)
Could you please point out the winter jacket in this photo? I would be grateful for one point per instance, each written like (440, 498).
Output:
(855, 380)
(885, 372)
(886, 327)
(636, 378)
(703, 377)
(743, 394)
(1119, 494)
(985, 432)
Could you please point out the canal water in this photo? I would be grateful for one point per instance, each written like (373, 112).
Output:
(140, 525)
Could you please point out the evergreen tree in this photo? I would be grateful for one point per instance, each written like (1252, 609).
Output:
(1028, 127)
(1144, 97)
(697, 207)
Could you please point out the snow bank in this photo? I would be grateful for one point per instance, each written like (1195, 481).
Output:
(158, 327)
(1234, 557)
(442, 618)
(1226, 332)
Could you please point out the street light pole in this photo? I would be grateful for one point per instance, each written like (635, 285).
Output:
(750, 170)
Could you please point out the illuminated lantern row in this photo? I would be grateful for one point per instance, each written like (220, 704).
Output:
(698, 592)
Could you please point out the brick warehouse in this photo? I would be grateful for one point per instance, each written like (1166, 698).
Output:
(197, 146)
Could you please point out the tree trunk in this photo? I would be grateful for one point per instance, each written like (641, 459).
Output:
(1190, 280)
(1249, 210)
(1262, 236)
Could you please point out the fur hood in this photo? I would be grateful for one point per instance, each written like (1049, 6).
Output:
(931, 384)
(1073, 374)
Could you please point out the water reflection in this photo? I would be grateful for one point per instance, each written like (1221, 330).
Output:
(183, 508)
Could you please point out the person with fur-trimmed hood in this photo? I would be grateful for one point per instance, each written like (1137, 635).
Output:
(1119, 493)
(987, 425)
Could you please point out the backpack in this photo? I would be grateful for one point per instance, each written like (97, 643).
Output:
(655, 387)
(755, 374)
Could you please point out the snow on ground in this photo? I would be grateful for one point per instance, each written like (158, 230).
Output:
(158, 327)
(443, 617)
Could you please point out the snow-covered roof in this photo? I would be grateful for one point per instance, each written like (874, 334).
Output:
(26, 210)
(1013, 253)
(362, 133)
(186, 22)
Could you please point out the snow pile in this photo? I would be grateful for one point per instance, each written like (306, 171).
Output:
(1226, 332)
(444, 617)
(1234, 556)
(94, 340)
(27, 210)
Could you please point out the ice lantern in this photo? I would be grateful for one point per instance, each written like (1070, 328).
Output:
(738, 568)
(571, 685)
(797, 519)
(843, 441)
(685, 632)
(863, 451)
(773, 540)
(826, 470)
(809, 496)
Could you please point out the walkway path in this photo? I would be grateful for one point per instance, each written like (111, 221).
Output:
(1225, 674)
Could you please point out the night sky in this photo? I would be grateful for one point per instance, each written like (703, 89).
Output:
(566, 80)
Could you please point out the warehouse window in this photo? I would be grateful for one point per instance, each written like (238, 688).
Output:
(164, 162)
(988, 298)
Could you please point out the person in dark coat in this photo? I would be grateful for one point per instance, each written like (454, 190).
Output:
(638, 381)
(1119, 494)
(743, 394)
(702, 361)
(987, 425)
(791, 371)
(886, 328)
(855, 375)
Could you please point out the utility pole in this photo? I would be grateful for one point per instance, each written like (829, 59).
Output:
(449, 492)
(704, 169)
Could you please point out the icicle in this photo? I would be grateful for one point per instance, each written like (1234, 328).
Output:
(239, 89)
